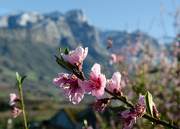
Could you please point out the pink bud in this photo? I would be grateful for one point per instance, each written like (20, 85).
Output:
(110, 41)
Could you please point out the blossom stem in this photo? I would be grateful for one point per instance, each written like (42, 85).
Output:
(146, 116)
(123, 99)
(23, 107)
(157, 121)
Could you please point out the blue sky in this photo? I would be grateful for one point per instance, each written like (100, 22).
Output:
(131, 15)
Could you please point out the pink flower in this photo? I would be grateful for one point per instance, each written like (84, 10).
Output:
(114, 83)
(120, 59)
(16, 112)
(128, 119)
(112, 59)
(100, 104)
(13, 99)
(96, 82)
(70, 88)
(76, 57)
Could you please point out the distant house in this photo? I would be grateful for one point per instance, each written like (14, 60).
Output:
(70, 119)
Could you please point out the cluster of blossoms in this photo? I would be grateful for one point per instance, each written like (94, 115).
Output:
(74, 88)
(113, 58)
(128, 118)
(13, 100)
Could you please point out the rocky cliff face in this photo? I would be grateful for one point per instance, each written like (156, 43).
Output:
(55, 29)
(29, 41)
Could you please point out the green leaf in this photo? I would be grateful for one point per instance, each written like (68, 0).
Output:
(60, 50)
(18, 77)
(59, 61)
(23, 78)
(64, 64)
(171, 122)
(149, 102)
(66, 50)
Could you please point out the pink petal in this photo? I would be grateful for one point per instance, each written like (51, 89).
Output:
(98, 93)
(95, 70)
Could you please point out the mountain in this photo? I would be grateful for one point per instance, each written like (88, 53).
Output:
(29, 41)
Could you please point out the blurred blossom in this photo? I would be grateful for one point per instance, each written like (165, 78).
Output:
(127, 81)
(124, 73)
(120, 59)
(176, 44)
(16, 112)
(178, 88)
(112, 59)
(175, 53)
(13, 99)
